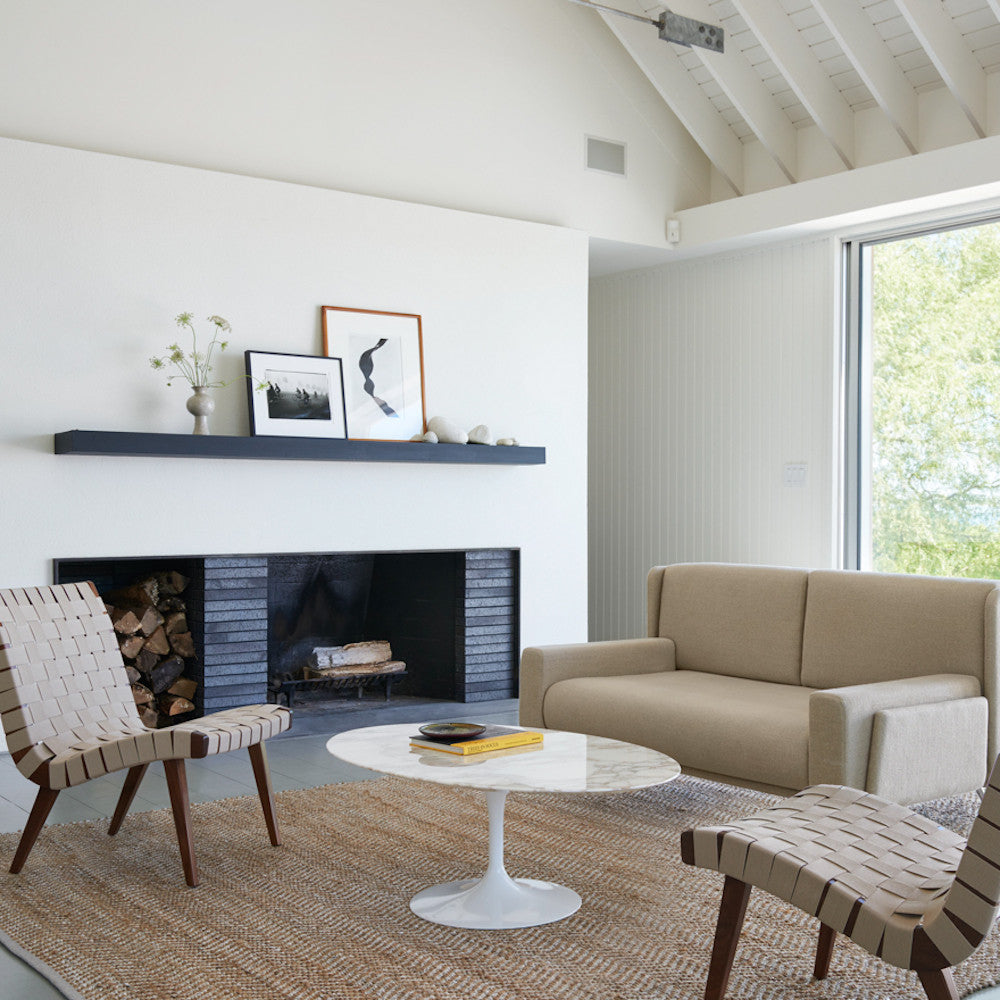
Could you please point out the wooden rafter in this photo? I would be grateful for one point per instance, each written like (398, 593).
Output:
(952, 58)
(741, 84)
(796, 62)
(861, 43)
(684, 97)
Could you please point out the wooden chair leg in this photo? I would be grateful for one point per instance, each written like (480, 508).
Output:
(824, 951)
(262, 774)
(179, 803)
(939, 984)
(735, 895)
(44, 801)
(132, 781)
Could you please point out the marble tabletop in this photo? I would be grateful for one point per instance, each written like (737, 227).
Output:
(563, 762)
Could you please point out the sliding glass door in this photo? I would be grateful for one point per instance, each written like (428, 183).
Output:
(923, 392)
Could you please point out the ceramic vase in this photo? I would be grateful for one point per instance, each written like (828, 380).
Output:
(200, 405)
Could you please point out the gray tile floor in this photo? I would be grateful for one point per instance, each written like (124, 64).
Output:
(298, 759)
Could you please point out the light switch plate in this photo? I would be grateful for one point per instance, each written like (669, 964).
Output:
(796, 473)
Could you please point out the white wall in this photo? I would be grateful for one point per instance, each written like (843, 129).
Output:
(707, 377)
(481, 105)
(99, 253)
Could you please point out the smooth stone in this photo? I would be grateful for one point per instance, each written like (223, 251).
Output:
(509, 442)
(447, 431)
(430, 437)
(480, 434)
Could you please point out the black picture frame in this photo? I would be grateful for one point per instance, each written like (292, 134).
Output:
(295, 395)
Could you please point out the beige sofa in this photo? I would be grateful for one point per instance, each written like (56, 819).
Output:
(780, 678)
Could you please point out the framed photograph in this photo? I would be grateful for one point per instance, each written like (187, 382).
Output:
(294, 395)
(383, 359)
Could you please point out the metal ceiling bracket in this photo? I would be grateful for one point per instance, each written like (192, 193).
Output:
(673, 27)
(687, 31)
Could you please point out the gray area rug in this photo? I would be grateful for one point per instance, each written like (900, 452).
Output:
(326, 917)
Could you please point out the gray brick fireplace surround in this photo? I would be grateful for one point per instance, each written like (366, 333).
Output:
(453, 616)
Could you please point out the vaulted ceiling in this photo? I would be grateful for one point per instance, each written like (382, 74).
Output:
(813, 87)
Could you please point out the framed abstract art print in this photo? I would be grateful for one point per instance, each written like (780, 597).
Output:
(383, 359)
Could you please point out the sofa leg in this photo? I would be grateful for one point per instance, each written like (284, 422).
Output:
(824, 951)
(735, 895)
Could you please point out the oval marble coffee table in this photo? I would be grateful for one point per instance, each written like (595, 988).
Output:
(563, 762)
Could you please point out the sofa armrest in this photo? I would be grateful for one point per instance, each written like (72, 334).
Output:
(924, 752)
(841, 720)
(543, 666)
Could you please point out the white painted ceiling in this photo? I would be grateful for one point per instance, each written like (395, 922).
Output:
(974, 20)
(791, 64)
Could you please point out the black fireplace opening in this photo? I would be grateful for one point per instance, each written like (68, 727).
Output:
(414, 601)
(452, 616)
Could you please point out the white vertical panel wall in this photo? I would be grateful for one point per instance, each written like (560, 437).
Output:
(707, 377)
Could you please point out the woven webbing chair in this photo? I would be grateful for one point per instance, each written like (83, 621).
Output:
(906, 890)
(69, 715)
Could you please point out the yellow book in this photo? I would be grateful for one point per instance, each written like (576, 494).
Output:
(493, 738)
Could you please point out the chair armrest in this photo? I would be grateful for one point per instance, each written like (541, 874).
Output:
(840, 721)
(230, 729)
(543, 666)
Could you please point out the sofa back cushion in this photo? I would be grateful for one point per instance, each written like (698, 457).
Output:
(740, 621)
(863, 627)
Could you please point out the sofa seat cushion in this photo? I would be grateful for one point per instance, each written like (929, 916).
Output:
(752, 730)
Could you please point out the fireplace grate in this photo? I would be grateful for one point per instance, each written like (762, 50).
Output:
(288, 687)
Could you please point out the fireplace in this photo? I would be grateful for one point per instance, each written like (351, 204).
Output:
(452, 616)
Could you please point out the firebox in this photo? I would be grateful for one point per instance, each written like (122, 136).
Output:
(452, 616)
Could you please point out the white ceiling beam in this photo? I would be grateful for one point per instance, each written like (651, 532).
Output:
(683, 96)
(863, 45)
(796, 62)
(741, 84)
(995, 7)
(951, 55)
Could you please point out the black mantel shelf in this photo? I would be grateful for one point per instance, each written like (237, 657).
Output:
(294, 448)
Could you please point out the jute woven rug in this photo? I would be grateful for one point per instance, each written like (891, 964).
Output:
(326, 917)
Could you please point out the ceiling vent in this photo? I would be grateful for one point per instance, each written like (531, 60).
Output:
(606, 156)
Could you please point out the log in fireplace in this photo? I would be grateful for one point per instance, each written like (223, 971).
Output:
(452, 616)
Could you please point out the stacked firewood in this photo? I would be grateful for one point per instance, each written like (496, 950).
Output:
(150, 618)
(374, 657)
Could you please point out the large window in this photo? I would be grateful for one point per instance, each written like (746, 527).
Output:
(924, 397)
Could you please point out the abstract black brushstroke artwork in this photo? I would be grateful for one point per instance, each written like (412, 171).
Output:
(367, 366)
(382, 354)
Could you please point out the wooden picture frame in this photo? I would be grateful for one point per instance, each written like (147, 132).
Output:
(383, 358)
(295, 395)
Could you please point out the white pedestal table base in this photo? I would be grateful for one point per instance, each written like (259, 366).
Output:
(496, 900)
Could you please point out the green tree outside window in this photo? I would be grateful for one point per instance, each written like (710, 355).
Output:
(936, 404)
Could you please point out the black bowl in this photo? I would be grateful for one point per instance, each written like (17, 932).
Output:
(451, 730)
